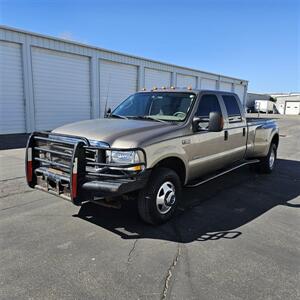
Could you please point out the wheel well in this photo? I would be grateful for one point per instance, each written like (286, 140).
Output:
(175, 164)
(275, 140)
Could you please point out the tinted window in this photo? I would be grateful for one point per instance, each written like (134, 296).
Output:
(207, 104)
(231, 105)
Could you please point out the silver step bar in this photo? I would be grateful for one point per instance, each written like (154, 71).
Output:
(245, 163)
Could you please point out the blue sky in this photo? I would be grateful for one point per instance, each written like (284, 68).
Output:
(254, 40)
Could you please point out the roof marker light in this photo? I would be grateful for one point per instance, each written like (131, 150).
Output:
(189, 87)
(172, 87)
(143, 89)
(154, 88)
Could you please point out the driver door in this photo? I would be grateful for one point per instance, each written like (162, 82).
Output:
(206, 151)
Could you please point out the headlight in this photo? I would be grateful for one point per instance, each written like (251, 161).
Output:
(126, 157)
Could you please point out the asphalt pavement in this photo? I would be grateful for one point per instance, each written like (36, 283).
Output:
(235, 238)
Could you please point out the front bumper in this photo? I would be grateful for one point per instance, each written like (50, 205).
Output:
(61, 165)
(111, 188)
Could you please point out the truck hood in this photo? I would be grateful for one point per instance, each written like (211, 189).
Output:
(117, 132)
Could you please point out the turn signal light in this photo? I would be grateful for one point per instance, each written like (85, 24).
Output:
(136, 168)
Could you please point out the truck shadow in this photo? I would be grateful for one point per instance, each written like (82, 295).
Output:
(213, 211)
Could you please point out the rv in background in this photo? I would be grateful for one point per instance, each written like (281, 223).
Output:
(252, 97)
(265, 106)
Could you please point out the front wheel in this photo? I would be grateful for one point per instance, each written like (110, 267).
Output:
(267, 163)
(157, 202)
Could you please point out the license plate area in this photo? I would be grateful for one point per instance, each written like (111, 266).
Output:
(53, 183)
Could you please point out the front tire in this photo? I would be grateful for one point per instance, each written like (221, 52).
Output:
(158, 201)
(267, 163)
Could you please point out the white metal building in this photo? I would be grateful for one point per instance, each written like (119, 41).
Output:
(288, 104)
(46, 82)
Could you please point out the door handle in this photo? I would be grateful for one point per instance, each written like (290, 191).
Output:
(244, 131)
(226, 135)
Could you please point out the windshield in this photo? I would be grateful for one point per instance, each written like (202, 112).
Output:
(166, 106)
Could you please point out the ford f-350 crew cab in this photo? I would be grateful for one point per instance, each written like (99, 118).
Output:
(149, 147)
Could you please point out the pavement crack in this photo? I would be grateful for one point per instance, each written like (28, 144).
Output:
(9, 179)
(170, 273)
(14, 194)
(19, 205)
(131, 251)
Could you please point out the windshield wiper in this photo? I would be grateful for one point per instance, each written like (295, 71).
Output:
(118, 116)
(147, 118)
(154, 119)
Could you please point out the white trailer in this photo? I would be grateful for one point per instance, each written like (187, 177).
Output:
(265, 106)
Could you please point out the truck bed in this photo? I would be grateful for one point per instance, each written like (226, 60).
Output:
(258, 121)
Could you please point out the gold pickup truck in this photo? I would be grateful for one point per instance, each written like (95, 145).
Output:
(150, 147)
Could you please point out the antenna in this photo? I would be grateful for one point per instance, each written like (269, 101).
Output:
(108, 87)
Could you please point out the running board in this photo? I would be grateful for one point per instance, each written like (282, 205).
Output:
(245, 163)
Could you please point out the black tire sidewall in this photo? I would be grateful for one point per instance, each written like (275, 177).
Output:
(265, 165)
(273, 148)
(147, 197)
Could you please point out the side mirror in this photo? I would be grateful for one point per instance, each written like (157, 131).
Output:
(216, 122)
(107, 113)
(195, 124)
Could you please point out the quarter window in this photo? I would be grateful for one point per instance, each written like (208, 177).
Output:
(231, 105)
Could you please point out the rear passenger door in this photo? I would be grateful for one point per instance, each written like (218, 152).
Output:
(235, 129)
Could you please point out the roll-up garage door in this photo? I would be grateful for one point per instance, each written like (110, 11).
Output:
(225, 86)
(12, 105)
(186, 80)
(157, 78)
(61, 84)
(117, 82)
(292, 108)
(239, 90)
(208, 84)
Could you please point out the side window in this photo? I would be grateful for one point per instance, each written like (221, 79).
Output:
(232, 107)
(207, 104)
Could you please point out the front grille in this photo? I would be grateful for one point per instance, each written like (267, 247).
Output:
(54, 155)
(94, 156)
(61, 164)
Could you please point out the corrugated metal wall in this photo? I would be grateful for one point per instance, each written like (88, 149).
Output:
(46, 82)
(12, 105)
(117, 81)
(157, 78)
(186, 80)
(61, 85)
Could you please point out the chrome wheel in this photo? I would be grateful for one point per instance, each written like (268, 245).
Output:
(272, 159)
(165, 197)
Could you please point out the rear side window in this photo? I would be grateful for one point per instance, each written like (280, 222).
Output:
(231, 105)
(207, 104)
